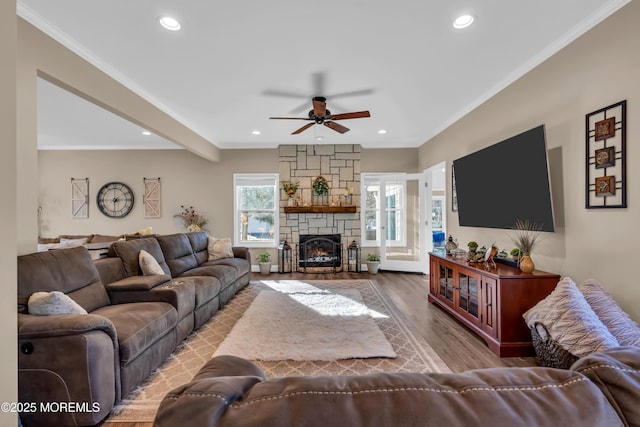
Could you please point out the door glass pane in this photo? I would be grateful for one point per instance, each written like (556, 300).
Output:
(402, 226)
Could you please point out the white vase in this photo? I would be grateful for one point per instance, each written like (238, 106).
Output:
(373, 267)
(265, 267)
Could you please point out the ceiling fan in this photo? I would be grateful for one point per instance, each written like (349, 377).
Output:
(322, 116)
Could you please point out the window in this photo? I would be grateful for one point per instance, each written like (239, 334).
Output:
(255, 210)
(395, 206)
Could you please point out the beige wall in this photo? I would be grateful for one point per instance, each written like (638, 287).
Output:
(8, 222)
(598, 69)
(185, 178)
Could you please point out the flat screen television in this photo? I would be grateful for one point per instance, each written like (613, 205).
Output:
(505, 182)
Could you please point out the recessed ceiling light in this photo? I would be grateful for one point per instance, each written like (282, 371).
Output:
(462, 21)
(319, 138)
(146, 132)
(255, 132)
(382, 131)
(169, 23)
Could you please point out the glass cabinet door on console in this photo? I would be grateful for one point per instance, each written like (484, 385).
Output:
(468, 295)
(445, 280)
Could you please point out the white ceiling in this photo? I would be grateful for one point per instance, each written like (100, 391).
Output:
(418, 73)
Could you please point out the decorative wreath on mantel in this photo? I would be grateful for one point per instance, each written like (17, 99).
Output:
(320, 186)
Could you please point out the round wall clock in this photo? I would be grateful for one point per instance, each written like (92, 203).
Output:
(115, 199)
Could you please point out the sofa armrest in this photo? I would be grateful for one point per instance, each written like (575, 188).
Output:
(31, 326)
(242, 252)
(137, 283)
(68, 358)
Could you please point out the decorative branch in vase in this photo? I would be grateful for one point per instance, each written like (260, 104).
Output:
(526, 238)
(191, 219)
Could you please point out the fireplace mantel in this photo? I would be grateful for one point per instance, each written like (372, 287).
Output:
(319, 209)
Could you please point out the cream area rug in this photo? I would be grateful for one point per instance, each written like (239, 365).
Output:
(413, 353)
(299, 321)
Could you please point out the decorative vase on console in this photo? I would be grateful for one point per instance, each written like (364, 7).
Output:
(527, 236)
(526, 264)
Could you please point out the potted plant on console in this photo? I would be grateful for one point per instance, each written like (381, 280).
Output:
(373, 263)
(264, 262)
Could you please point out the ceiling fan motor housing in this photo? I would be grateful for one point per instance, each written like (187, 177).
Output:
(319, 119)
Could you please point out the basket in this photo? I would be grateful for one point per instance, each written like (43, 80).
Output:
(549, 352)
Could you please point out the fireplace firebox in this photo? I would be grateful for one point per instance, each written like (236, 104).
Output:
(319, 253)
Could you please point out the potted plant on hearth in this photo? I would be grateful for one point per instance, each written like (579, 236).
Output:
(264, 262)
(373, 263)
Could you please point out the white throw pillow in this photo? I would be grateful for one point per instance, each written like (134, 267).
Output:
(570, 321)
(51, 303)
(72, 243)
(148, 264)
(219, 248)
(621, 326)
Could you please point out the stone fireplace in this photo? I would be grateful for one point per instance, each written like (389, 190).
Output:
(340, 166)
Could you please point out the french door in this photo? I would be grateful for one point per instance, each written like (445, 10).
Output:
(402, 218)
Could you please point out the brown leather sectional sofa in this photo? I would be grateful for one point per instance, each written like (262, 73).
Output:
(134, 322)
(602, 389)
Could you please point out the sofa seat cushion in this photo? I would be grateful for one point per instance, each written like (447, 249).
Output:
(241, 265)
(226, 274)
(206, 288)
(139, 325)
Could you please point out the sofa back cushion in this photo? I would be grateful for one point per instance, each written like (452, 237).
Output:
(129, 250)
(178, 253)
(70, 271)
(199, 242)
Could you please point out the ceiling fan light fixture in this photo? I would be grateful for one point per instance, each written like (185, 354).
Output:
(169, 23)
(463, 21)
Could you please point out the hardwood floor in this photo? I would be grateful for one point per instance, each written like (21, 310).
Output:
(460, 349)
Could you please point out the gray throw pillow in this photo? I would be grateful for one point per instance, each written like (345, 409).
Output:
(53, 303)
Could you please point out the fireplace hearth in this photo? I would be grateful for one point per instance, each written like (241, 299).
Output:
(319, 253)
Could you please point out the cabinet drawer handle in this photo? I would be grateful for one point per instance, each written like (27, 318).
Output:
(488, 304)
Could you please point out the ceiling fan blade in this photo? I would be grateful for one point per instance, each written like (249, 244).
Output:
(354, 115)
(290, 118)
(336, 126)
(284, 94)
(319, 106)
(352, 93)
(303, 128)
